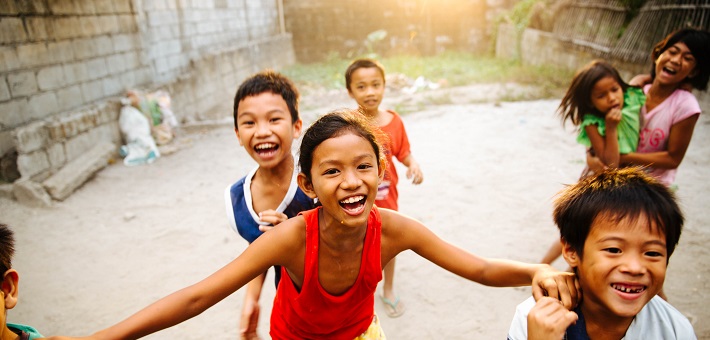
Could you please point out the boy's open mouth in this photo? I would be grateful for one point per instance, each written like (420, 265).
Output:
(629, 289)
(353, 204)
(266, 148)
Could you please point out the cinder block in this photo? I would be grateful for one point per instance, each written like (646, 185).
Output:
(104, 45)
(8, 59)
(76, 146)
(97, 68)
(62, 7)
(4, 90)
(84, 48)
(11, 30)
(123, 42)
(50, 78)
(14, 113)
(112, 85)
(37, 28)
(103, 6)
(78, 171)
(33, 163)
(66, 27)
(69, 97)
(31, 193)
(31, 55)
(90, 26)
(22, 83)
(116, 64)
(127, 23)
(122, 6)
(76, 73)
(108, 111)
(60, 52)
(31, 137)
(92, 90)
(109, 24)
(56, 156)
(43, 105)
(7, 142)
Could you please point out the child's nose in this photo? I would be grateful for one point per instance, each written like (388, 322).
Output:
(633, 265)
(263, 130)
(350, 180)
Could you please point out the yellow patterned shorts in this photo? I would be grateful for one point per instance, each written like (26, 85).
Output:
(374, 332)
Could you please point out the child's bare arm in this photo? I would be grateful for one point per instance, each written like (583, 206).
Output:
(276, 247)
(408, 233)
(250, 310)
(414, 171)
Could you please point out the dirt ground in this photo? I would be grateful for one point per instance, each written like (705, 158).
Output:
(134, 234)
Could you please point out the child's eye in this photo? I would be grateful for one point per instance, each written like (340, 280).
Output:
(247, 123)
(331, 172)
(689, 58)
(275, 119)
(613, 250)
(654, 254)
(364, 166)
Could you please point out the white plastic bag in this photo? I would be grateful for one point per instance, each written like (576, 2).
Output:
(140, 147)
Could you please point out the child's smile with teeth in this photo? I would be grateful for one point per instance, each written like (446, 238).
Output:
(266, 148)
(353, 203)
(633, 289)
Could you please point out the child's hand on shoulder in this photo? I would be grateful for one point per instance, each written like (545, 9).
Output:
(548, 319)
(562, 286)
(271, 216)
(414, 172)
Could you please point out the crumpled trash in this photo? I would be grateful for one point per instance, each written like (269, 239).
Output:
(140, 148)
(419, 84)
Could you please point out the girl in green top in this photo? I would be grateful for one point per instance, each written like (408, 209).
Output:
(605, 109)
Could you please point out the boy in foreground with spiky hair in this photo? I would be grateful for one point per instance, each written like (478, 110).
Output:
(618, 230)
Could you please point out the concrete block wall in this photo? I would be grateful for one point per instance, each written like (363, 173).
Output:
(64, 65)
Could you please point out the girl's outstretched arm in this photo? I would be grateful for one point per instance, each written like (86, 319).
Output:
(272, 248)
(400, 233)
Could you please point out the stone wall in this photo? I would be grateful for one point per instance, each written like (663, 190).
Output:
(64, 64)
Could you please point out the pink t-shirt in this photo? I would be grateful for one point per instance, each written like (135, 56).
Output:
(657, 125)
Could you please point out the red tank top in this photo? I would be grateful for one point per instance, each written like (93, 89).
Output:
(314, 313)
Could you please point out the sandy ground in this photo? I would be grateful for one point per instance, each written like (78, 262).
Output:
(133, 235)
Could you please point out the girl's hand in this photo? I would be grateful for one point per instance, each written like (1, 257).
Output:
(612, 118)
(562, 286)
(415, 173)
(640, 80)
(595, 164)
(271, 216)
(548, 319)
(249, 321)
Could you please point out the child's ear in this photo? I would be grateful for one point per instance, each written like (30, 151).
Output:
(10, 281)
(570, 254)
(239, 139)
(306, 185)
(297, 128)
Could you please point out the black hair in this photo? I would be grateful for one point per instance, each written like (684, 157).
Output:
(268, 81)
(335, 124)
(362, 63)
(7, 248)
(619, 194)
(578, 100)
(698, 41)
